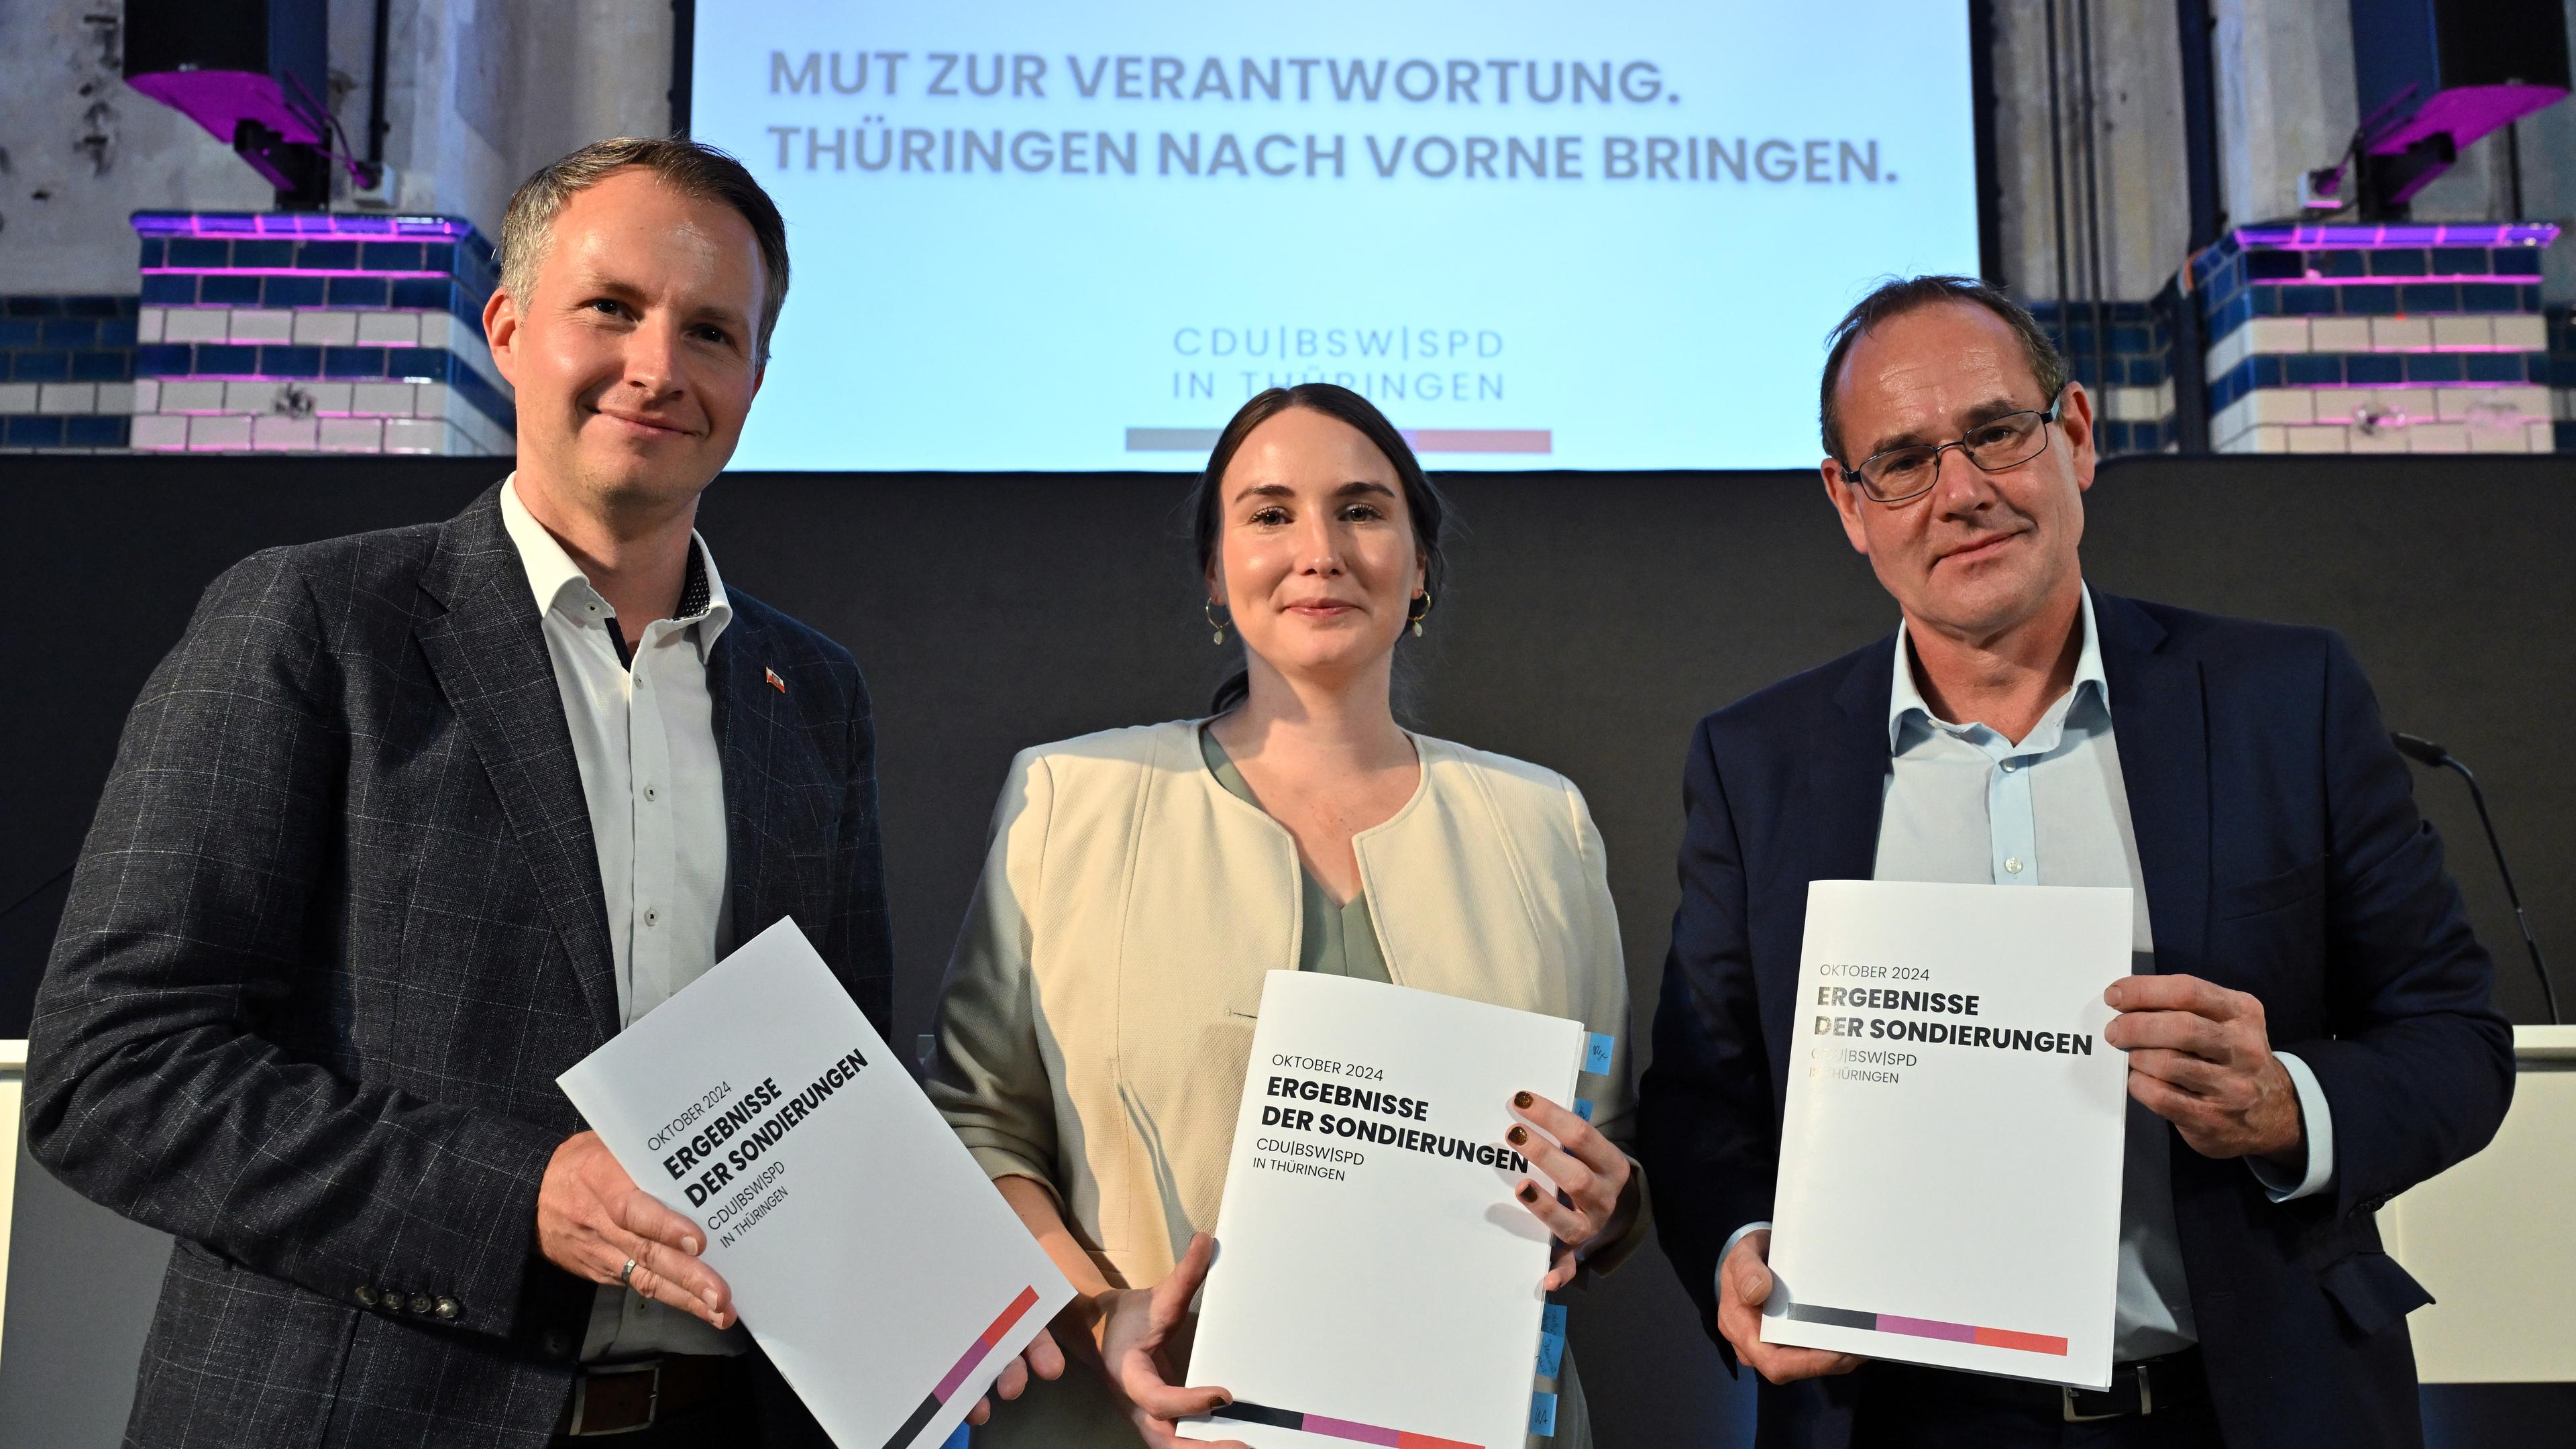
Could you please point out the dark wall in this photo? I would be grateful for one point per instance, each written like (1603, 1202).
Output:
(1591, 619)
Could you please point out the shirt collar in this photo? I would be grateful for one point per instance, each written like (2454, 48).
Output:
(1905, 700)
(556, 582)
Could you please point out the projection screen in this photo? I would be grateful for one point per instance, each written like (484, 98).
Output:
(1077, 237)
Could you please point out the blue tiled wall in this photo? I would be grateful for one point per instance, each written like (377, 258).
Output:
(65, 339)
(177, 268)
(220, 289)
(2244, 276)
(2137, 349)
(2384, 369)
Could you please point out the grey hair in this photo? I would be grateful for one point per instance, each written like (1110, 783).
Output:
(1899, 295)
(690, 167)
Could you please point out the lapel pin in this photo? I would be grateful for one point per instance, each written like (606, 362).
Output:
(775, 682)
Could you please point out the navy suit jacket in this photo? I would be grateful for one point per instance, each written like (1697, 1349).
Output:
(337, 927)
(2282, 855)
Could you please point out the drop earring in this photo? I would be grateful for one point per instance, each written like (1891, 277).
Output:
(1417, 616)
(1215, 624)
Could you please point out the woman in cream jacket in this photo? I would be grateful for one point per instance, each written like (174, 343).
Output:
(1098, 1014)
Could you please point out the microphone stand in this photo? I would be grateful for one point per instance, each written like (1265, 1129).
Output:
(2425, 752)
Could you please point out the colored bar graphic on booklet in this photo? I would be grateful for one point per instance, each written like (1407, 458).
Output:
(1929, 1328)
(1244, 1413)
(975, 1354)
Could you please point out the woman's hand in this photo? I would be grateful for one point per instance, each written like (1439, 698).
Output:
(1139, 1327)
(1591, 1174)
(1041, 1358)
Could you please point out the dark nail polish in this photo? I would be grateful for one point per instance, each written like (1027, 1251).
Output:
(1522, 1100)
(1528, 1193)
(1517, 1135)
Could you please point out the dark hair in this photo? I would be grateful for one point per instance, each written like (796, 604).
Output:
(691, 168)
(1899, 295)
(1421, 499)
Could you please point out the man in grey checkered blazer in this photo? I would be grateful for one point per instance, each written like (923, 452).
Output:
(375, 865)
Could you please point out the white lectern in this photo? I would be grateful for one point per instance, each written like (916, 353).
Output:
(2494, 1239)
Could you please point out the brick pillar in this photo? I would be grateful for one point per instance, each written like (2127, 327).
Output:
(2377, 339)
(310, 332)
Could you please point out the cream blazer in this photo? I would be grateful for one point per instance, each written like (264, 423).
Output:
(1097, 1016)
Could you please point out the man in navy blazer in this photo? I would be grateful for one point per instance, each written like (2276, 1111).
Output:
(2309, 1032)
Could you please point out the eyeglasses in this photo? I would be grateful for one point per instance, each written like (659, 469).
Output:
(1899, 474)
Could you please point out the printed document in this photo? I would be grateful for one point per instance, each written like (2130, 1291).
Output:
(1375, 1280)
(1950, 1157)
(868, 1253)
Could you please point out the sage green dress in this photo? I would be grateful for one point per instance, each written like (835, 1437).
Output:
(1338, 940)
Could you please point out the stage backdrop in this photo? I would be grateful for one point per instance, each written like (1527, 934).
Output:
(1591, 619)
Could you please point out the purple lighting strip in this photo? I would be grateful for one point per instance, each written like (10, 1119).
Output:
(2345, 237)
(284, 272)
(232, 224)
(2313, 277)
(285, 377)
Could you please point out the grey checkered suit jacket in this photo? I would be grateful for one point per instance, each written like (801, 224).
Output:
(336, 929)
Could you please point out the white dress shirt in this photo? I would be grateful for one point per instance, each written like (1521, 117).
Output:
(643, 732)
(1965, 805)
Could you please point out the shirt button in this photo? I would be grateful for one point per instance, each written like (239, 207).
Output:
(2012, 865)
(652, 792)
(654, 918)
(2011, 765)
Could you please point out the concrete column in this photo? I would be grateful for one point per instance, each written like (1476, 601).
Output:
(2139, 167)
(490, 90)
(2285, 100)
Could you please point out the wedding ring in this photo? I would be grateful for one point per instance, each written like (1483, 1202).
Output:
(626, 1275)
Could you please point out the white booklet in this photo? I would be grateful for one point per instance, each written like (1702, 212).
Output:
(1950, 1156)
(867, 1252)
(1375, 1280)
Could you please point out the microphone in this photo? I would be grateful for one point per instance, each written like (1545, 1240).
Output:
(2425, 752)
(2421, 750)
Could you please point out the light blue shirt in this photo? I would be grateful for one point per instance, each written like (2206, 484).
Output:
(1966, 805)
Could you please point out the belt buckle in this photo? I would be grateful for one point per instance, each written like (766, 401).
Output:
(2146, 1402)
(581, 1402)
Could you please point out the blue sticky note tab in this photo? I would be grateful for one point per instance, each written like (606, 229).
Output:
(1596, 1057)
(1583, 1108)
(1543, 1415)
(1551, 1355)
(1551, 1319)
(960, 1439)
